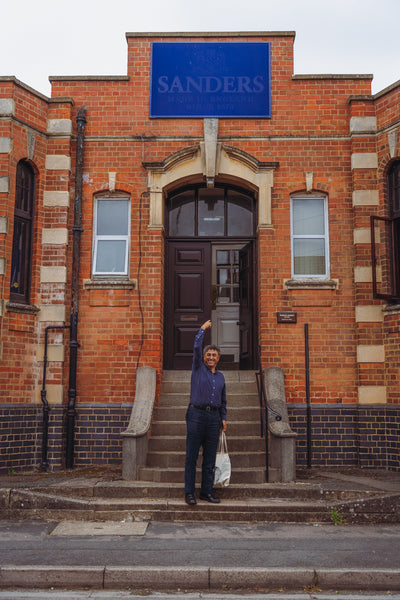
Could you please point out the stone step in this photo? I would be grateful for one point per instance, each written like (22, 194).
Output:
(120, 488)
(176, 475)
(239, 460)
(178, 428)
(234, 400)
(230, 376)
(177, 413)
(232, 387)
(34, 504)
(178, 444)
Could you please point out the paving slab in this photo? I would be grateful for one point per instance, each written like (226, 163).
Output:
(73, 528)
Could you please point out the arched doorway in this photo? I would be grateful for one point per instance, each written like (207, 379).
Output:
(210, 273)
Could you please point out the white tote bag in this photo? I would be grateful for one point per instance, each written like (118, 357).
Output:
(222, 463)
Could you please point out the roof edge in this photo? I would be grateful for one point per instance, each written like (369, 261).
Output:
(89, 78)
(335, 76)
(17, 82)
(387, 89)
(209, 34)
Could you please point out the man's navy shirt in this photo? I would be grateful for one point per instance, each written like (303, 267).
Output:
(207, 388)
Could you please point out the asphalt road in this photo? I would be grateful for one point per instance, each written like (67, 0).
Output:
(198, 544)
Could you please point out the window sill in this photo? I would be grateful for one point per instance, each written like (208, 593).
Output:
(391, 309)
(110, 283)
(19, 307)
(304, 283)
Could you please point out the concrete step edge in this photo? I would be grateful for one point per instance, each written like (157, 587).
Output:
(201, 578)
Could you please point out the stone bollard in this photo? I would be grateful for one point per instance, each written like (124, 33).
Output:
(134, 443)
(282, 441)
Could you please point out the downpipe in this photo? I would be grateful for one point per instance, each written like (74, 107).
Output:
(44, 465)
(76, 250)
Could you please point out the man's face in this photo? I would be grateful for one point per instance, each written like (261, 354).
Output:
(211, 358)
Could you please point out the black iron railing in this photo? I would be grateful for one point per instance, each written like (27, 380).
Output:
(264, 410)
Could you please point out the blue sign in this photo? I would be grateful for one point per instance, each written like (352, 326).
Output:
(207, 79)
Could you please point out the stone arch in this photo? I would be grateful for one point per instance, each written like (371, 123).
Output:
(193, 164)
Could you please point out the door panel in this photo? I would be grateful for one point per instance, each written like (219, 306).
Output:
(247, 308)
(225, 305)
(187, 299)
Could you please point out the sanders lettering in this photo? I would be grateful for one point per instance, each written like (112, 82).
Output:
(211, 85)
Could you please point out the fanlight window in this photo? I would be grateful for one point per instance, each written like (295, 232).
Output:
(216, 213)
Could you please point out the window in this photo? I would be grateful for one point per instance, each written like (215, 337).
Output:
(111, 236)
(227, 273)
(385, 235)
(216, 213)
(21, 261)
(309, 229)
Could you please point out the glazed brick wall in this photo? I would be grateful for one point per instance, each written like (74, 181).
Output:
(342, 436)
(347, 436)
(98, 434)
(20, 437)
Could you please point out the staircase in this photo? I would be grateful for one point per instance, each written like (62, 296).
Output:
(159, 493)
(166, 456)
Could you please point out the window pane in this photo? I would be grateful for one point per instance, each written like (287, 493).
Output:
(308, 217)
(394, 189)
(112, 217)
(240, 216)
(181, 215)
(309, 257)
(24, 190)
(211, 212)
(224, 295)
(111, 256)
(19, 256)
(22, 238)
(223, 276)
(222, 257)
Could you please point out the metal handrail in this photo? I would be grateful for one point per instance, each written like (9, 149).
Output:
(264, 410)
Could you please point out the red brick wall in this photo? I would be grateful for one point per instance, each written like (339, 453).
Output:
(120, 329)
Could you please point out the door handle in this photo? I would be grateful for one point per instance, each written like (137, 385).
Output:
(240, 323)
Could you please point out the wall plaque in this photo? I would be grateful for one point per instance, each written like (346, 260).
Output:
(286, 317)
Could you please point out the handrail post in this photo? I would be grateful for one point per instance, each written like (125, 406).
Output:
(264, 409)
(307, 369)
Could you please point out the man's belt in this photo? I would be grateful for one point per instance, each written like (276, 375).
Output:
(207, 407)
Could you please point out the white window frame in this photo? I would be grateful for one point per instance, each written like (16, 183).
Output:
(324, 236)
(97, 238)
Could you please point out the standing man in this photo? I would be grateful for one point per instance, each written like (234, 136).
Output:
(205, 417)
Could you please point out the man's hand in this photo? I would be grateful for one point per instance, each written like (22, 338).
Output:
(223, 426)
(206, 325)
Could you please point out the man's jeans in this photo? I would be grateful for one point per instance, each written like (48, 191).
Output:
(202, 430)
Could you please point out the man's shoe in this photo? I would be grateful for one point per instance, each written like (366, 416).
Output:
(209, 498)
(190, 499)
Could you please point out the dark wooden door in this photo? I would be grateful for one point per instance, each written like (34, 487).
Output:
(188, 299)
(246, 312)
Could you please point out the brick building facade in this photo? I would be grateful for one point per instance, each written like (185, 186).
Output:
(276, 209)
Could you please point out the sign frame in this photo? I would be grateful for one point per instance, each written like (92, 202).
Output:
(190, 80)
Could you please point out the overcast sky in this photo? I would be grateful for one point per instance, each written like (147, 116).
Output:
(87, 37)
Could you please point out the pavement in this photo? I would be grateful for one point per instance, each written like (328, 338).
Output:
(203, 556)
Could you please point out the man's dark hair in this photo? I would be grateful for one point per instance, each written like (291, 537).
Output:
(211, 347)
